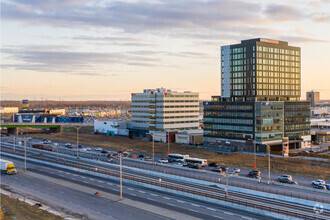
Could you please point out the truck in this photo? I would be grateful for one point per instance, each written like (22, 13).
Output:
(42, 147)
(7, 167)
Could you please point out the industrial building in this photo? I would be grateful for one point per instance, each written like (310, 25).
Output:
(115, 127)
(259, 102)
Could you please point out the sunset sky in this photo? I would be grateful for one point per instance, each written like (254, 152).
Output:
(104, 50)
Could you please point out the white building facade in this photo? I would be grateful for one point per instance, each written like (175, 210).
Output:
(163, 110)
(116, 127)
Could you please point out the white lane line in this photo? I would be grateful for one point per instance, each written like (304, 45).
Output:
(228, 213)
(166, 198)
(246, 217)
(74, 174)
(91, 178)
(215, 216)
(83, 177)
(68, 173)
(141, 191)
(100, 181)
(110, 183)
(192, 210)
(195, 205)
(211, 209)
(153, 194)
(129, 188)
(180, 201)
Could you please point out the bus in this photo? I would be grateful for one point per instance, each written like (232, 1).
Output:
(195, 161)
(176, 157)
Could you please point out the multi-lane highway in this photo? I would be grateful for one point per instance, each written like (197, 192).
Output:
(183, 186)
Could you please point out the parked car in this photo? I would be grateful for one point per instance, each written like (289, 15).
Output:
(213, 164)
(285, 178)
(46, 141)
(236, 170)
(98, 149)
(318, 182)
(254, 173)
(293, 183)
(163, 160)
(323, 187)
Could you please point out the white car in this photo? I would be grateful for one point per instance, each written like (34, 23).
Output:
(163, 160)
(45, 141)
(236, 170)
(88, 148)
(98, 149)
(318, 182)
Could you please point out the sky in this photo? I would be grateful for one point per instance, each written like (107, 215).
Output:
(105, 50)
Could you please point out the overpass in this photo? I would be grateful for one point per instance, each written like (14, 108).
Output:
(53, 127)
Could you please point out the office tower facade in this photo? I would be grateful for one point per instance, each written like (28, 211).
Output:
(313, 97)
(164, 110)
(259, 102)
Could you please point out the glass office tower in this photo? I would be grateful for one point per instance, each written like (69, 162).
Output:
(264, 75)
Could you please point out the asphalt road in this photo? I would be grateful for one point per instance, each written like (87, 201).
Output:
(73, 193)
(214, 177)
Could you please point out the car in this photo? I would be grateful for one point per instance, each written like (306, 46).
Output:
(285, 178)
(45, 141)
(83, 149)
(163, 160)
(68, 145)
(146, 158)
(80, 146)
(213, 164)
(318, 182)
(323, 187)
(195, 166)
(216, 169)
(312, 151)
(327, 186)
(236, 170)
(141, 156)
(293, 183)
(254, 174)
(178, 164)
(224, 168)
(88, 148)
(98, 149)
(306, 151)
(103, 152)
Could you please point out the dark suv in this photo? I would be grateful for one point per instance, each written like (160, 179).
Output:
(254, 173)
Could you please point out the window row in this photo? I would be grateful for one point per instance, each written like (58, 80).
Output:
(229, 120)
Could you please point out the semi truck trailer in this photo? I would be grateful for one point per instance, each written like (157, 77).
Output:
(7, 167)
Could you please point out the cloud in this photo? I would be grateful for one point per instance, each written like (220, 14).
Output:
(323, 18)
(283, 13)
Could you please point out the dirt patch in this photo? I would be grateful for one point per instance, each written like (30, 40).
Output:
(15, 209)
(300, 167)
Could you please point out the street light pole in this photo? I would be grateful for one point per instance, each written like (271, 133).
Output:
(268, 146)
(227, 183)
(168, 140)
(121, 178)
(78, 141)
(255, 152)
(25, 155)
(153, 148)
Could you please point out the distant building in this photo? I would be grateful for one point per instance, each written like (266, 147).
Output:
(313, 98)
(112, 128)
(8, 110)
(260, 92)
(321, 130)
(161, 110)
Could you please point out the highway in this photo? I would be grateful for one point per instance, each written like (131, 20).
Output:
(206, 191)
(73, 193)
(244, 182)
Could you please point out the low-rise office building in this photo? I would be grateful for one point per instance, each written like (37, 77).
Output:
(116, 127)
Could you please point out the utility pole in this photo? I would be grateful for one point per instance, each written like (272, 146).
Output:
(121, 178)
(153, 147)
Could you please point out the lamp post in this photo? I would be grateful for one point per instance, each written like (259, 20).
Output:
(268, 148)
(121, 177)
(227, 175)
(78, 140)
(153, 148)
(25, 155)
(56, 145)
(168, 141)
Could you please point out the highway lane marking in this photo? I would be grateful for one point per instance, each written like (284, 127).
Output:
(74, 174)
(215, 216)
(166, 197)
(129, 188)
(153, 194)
(228, 213)
(100, 181)
(110, 183)
(211, 209)
(83, 177)
(192, 210)
(246, 217)
(141, 191)
(195, 205)
(180, 201)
